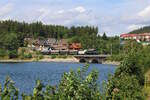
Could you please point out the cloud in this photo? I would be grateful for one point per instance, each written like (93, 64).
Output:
(71, 16)
(112, 17)
(43, 13)
(134, 27)
(80, 9)
(4, 10)
(60, 11)
(145, 13)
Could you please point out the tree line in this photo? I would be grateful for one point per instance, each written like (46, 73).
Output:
(145, 29)
(38, 29)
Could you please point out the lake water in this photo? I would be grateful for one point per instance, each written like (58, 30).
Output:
(25, 74)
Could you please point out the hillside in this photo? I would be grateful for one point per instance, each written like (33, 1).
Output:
(145, 29)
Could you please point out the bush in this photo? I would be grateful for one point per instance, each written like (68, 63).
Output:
(3, 53)
(28, 55)
(78, 86)
(124, 88)
(13, 54)
(10, 92)
(128, 80)
(41, 56)
(53, 56)
(131, 66)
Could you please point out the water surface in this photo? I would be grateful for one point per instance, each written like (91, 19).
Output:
(25, 74)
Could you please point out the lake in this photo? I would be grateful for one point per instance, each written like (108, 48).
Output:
(25, 74)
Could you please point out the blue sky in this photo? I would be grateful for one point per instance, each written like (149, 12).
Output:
(111, 16)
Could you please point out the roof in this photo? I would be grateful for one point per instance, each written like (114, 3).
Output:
(133, 35)
(62, 41)
(75, 46)
(51, 41)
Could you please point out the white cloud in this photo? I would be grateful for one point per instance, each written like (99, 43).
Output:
(134, 27)
(73, 16)
(80, 9)
(145, 13)
(43, 13)
(61, 11)
(4, 10)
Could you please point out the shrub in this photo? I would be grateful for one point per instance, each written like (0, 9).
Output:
(3, 53)
(10, 92)
(41, 56)
(128, 80)
(28, 55)
(124, 88)
(13, 54)
(53, 56)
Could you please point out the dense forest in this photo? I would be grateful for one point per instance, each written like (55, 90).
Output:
(38, 29)
(145, 29)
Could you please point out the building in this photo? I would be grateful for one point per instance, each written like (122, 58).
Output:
(60, 45)
(75, 46)
(53, 46)
(141, 38)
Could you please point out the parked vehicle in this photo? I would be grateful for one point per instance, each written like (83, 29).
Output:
(63, 52)
(91, 52)
(82, 52)
(46, 51)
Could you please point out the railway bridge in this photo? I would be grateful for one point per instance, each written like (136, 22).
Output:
(91, 58)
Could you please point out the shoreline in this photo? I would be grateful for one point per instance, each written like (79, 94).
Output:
(67, 60)
(39, 60)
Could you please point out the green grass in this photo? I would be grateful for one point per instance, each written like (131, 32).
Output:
(147, 87)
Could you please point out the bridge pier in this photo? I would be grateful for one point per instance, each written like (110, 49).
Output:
(91, 58)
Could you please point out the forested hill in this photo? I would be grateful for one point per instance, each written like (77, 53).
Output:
(145, 29)
(37, 29)
(12, 34)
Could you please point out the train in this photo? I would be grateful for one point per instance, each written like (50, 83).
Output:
(70, 52)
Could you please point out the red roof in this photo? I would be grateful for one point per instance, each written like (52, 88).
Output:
(75, 46)
(133, 35)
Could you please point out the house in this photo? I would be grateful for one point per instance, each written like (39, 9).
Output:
(75, 46)
(40, 44)
(60, 45)
(50, 41)
(141, 38)
(43, 45)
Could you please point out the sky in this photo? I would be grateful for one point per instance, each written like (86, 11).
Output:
(111, 16)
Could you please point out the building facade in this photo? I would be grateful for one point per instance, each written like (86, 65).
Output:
(143, 38)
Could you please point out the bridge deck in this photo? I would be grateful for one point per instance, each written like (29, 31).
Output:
(93, 56)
